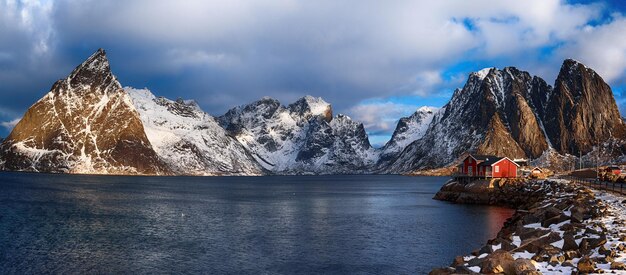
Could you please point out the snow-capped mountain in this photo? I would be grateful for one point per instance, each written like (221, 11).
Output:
(301, 138)
(88, 124)
(409, 129)
(511, 113)
(85, 124)
(189, 140)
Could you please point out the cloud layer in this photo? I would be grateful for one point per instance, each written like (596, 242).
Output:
(352, 53)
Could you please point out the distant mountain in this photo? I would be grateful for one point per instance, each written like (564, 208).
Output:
(409, 129)
(88, 123)
(189, 140)
(85, 124)
(301, 138)
(511, 113)
(581, 110)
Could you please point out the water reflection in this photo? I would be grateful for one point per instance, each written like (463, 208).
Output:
(347, 224)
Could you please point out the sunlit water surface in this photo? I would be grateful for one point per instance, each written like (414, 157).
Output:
(216, 225)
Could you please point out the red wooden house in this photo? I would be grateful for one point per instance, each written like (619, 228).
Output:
(489, 167)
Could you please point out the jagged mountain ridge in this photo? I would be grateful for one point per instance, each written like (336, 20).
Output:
(301, 138)
(189, 140)
(508, 112)
(88, 124)
(407, 130)
(85, 124)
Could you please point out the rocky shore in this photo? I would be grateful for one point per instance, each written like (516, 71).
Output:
(558, 228)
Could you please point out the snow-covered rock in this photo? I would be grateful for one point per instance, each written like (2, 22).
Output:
(409, 129)
(189, 140)
(301, 138)
(85, 124)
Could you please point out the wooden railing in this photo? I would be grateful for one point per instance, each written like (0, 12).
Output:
(597, 184)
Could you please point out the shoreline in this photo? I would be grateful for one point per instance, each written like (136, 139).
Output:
(558, 227)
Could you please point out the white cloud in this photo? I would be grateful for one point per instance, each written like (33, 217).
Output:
(345, 51)
(31, 19)
(9, 125)
(601, 48)
(380, 117)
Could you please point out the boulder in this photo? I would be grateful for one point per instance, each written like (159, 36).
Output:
(618, 266)
(530, 233)
(539, 244)
(569, 243)
(523, 266)
(442, 271)
(554, 220)
(458, 260)
(485, 249)
(568, 263)
(571, 254)
(577, 215)
(586, 265)
(499, 261)
(606, 252)
(595, 242)
(475, 261)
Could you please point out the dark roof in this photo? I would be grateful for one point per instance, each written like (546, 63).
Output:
(484, 157)
(490, 161)
(614, 168)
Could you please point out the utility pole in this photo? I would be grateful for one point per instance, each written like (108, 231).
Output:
(598, 152)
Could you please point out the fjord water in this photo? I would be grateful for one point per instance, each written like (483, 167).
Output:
(215, 225)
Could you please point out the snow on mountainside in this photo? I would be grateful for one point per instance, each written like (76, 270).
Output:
(88, 124)
(189, 140)
(409, 129)
(511, 113)
(301, 138)
(490, 115)
(85, 124)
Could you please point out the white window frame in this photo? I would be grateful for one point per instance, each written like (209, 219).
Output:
(497, 169)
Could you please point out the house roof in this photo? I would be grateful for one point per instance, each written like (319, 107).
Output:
(483, 157)
(495, 160)
(490, 161)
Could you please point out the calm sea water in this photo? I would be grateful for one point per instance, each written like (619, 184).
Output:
(234, 225)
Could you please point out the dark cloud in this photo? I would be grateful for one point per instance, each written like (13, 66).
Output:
(226, 53)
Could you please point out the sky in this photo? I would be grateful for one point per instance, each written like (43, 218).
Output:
(375, 61)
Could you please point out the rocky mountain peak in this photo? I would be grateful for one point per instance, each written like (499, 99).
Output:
(308, 106)
(85, 124)
(95, 72)
(581, 110)
(480, 75)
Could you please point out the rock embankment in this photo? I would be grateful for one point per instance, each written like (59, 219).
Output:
(512, 193)
(558, 228)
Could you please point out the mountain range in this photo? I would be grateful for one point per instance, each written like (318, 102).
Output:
(89, 124)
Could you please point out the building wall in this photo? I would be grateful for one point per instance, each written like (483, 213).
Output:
(470, 162)
(506, 169)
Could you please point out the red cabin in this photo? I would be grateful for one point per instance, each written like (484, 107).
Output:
(489, 167)
(614, 170)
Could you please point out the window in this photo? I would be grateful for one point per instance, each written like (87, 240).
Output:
(469, 170)
(497, 169)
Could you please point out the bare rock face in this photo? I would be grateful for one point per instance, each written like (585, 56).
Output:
(492, 114)
(85, 124)
(498, 141)
(511, 113)
(581, 110)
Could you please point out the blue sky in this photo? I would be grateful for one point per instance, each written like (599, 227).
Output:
(375, 61)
